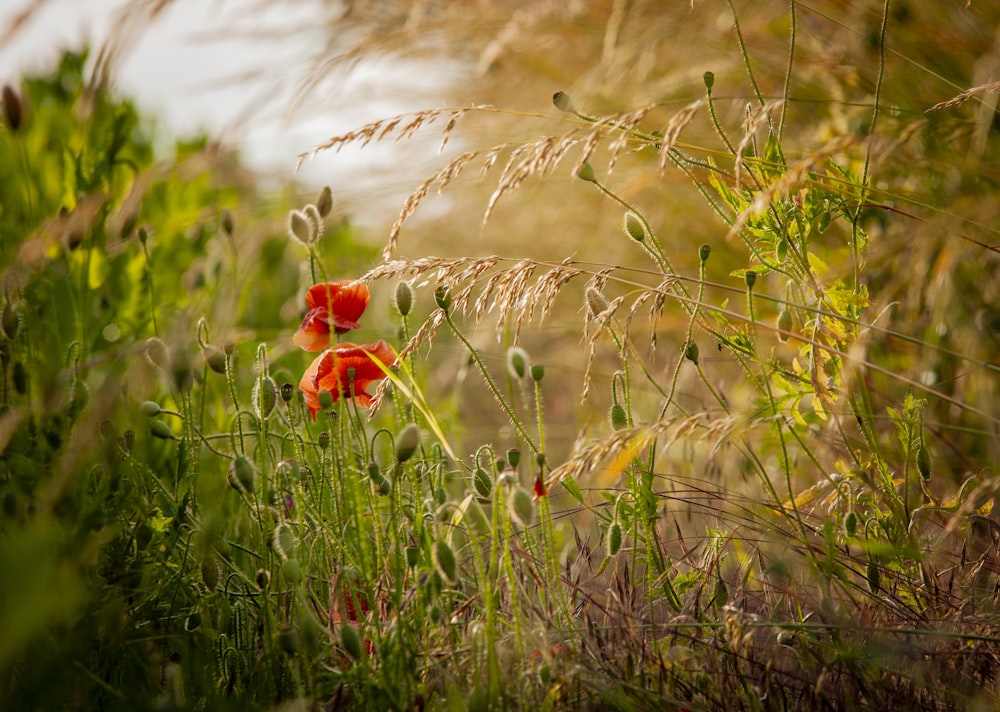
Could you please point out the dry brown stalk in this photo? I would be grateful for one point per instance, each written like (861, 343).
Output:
(965, 96)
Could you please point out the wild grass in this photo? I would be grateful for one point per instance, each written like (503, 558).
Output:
(686, 404)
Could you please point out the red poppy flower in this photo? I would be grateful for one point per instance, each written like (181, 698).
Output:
(345, 370)
(331, 304)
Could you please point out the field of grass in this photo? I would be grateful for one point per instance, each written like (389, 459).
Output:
(681, 396)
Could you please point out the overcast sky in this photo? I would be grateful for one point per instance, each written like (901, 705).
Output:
(197, 68)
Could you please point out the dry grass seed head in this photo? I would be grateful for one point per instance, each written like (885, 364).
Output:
(673, 129)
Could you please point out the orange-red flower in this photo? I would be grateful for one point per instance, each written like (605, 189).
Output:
(346, 371)
(336, 305)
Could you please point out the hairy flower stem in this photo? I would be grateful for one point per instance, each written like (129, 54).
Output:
(491, 384)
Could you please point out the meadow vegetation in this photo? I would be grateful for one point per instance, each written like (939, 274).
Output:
(682, 398)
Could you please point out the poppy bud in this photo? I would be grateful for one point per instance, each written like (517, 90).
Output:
(161, 430)
(11, 320)
(874, 576)
(537, 372)
(383, 486)
(618, 417)
(241, 476)
(614, 540)
(444, 561)
(403, 298)
(784, 324)
(323, 439)
(315, 221)
(324, 203)
(215, 358)
(12, 108)
(150, 409)
(924, 463)
(374, 471)
(703, 252)
(265, 396)
(517, 362)
(562, 101)
(325, 399)
(709, 79)
(483, 484)
(850, 523)
(596, 301)
(299, 228)
(634, 227)
(351, 641)
(157, 354)
(521, 507)
(442, 298)
(513, 458)
(209, 572)
(262, 578)
(750, 277)
(284, 540)
(287, 392)
(226, 221)
(586, 172)
(292, 571)
(691, 352)
(288, 641)
(407, 442)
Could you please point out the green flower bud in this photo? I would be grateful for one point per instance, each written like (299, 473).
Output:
(614, 539)
(483, 484)
(513, 458)
(161, 430)
(562, 101)
(586, 172)
(444, 561)
(597, 303)
(316, 226)
(618, 416)
(287, 392)
(522, 509)
(691, 351)
(634, 227)
(703, 252)
(407, 442)
(924, 463)
(262, 578)
(709, 79)
(374, 471)
(215, 358)
(383, 486)
(442, 298)
(288, 641)
(403, 298)
(324, 203)
(264, 396)
(750, 277)
(537, 372)
(325, 399)
(292, 571)
(412, 556)
(323, 439)
(209, 569)
(784, 324)
(874, 576)
(284, 540)
(242, 475)
(517, 362)
(157, 354)
(11, 320)
(850, 523)
(150, 409)
(300, 228)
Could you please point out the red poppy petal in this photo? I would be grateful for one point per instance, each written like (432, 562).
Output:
(314, 332)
